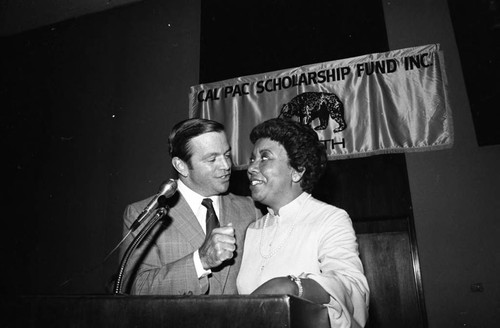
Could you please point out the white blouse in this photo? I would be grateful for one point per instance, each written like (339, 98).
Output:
(310, 239)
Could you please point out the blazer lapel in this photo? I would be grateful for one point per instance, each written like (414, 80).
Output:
(185, 221)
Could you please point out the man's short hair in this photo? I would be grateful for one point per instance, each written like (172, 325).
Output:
(178, 141)
(301, 142)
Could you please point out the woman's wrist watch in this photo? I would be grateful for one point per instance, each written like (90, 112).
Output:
(298, 282)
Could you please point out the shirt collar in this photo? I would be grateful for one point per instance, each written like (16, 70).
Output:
(292, 209)
(194, 199)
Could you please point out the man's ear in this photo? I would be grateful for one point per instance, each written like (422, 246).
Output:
(180, 166)
(297, 175)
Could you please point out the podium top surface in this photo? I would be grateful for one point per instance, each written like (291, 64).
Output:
(165, 311)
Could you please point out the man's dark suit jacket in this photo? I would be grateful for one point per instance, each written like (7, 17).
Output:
(163, 263)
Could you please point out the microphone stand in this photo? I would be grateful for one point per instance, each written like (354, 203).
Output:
(160, 213)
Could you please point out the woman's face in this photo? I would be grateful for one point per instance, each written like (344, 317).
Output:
(273, 182)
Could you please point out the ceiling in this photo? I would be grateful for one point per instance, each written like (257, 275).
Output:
(17, 16)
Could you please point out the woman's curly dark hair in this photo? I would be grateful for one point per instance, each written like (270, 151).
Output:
(305, 151)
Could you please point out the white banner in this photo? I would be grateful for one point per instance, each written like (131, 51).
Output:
(379, 103)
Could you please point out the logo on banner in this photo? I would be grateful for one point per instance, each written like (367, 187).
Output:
(389, 102)
(310, 106)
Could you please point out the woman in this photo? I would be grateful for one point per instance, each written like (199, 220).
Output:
(303, 246)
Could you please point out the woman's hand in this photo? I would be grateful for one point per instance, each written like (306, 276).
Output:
(283, 285)
(279, 285)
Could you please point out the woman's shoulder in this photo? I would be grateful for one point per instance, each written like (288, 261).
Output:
(320, 205)
(322, 211)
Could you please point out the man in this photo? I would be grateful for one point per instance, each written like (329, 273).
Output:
(177, 257)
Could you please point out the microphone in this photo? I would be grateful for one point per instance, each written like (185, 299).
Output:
(167, 190)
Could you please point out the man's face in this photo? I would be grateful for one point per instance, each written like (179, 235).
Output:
(271, 177)
(210, 164)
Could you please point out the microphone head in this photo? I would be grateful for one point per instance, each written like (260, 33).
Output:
(168, 188)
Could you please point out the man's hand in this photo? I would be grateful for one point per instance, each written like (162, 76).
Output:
(219, 247)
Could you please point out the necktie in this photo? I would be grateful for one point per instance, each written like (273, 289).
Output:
(212, 221)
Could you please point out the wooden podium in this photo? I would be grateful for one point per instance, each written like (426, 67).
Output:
(163, 311)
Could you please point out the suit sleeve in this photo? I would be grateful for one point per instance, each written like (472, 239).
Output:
(150, 272)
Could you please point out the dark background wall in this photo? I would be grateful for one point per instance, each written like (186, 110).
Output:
(454, 192)
(87, 105)
(477, 26)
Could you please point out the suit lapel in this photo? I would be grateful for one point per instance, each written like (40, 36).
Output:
(185, 221)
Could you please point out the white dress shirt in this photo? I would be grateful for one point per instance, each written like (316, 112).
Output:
(194, 201)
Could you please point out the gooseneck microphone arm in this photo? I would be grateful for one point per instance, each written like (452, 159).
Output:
(167, 190)
(160, 213)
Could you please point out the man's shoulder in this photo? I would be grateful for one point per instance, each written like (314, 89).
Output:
(240, 203)
(175, 200)
(141, 203)
(242, 207)
(237, 198)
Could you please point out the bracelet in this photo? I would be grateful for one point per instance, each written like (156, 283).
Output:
(298, 282)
